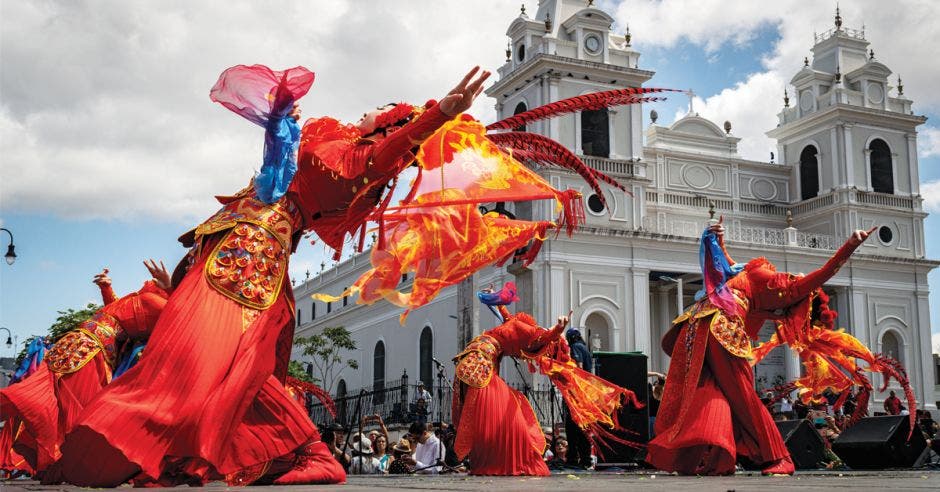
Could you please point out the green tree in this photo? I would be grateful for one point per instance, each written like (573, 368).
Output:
(67, 321)
(296, 370)
(326, 349)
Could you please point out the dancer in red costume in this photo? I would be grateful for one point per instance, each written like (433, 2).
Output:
(78, 366)
(709, 413)
(208, 401)
(495, 424)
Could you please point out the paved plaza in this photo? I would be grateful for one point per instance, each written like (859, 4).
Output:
(918, 480)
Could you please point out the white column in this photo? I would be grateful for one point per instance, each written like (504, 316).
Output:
(791, 364)
(558, 305)
(922, 335)
(849, 154)
(867, 169)
(834, 142)
(636, 131)
(680, 294)
(641, 310)
(662, 360)
(912, 163)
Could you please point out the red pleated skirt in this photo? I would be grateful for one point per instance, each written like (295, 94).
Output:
(201, 404)
(726, 419)
(48, 405)
(500, 431)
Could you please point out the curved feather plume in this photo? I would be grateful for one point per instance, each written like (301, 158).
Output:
(597, 100)
(316, 391)
(543, 149)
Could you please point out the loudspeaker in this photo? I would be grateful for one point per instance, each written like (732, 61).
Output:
(627, 370)
(806, 446)
(880, 442)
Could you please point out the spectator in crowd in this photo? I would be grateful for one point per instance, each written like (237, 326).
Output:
(446, 433)
(422, 401)
(927, 424)
(363, 463)
(401, 458)
(548, 454)
(559, 450)
(380, 452)
(786, 407)
(579, 452)
(429, 450)
(829, 430)
(893, 404)
(851, 402)
(655, 394)
(335, 437)
(800, 410)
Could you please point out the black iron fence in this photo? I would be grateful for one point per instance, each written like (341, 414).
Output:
(398, 402)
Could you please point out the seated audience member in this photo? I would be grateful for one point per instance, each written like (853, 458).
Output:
(560, 454)
(401, 458)
(786, 407)
(363, 463)
(429, 450)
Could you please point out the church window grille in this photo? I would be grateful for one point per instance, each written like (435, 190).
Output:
(882, 174)
(809, 173)
(595, 133)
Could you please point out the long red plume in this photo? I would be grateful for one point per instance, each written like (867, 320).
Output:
(312, 389)
(525, 145)
(892, 368)
(597, 100)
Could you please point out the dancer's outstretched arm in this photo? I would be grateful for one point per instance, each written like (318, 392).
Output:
(388, 151)
(785, 289)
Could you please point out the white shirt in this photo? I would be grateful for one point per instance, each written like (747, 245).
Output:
(364, 465)
(428, 453)
(785, 405)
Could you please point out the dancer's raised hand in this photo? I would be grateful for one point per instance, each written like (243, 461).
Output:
(160, 276)
(461, 97)
(859, 236)
(102, 278)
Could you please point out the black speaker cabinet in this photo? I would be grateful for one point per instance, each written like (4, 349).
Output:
(628, 370)
(880, 442)
(806, 446)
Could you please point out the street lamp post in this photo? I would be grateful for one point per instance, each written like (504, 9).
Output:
(11, 252)
(9, 342)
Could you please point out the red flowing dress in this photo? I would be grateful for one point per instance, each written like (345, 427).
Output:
(208, 401)
(710, 413)
(495, 424)
(74, 370)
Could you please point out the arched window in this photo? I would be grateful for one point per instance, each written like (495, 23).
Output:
(809, 173)
(378, 372)
(520, 108)
(882, 174)
(425, 355)
(892, 347)
(595, 133)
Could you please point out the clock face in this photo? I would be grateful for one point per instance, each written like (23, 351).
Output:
(592, 44)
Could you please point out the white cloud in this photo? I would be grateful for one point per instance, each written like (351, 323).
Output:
(930, 191)
(105, 110)
(928, 141)
(935, 342)
(752, 104)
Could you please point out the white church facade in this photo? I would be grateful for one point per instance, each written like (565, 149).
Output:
(846, 159)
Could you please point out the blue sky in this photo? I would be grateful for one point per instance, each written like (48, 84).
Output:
(105, 165)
